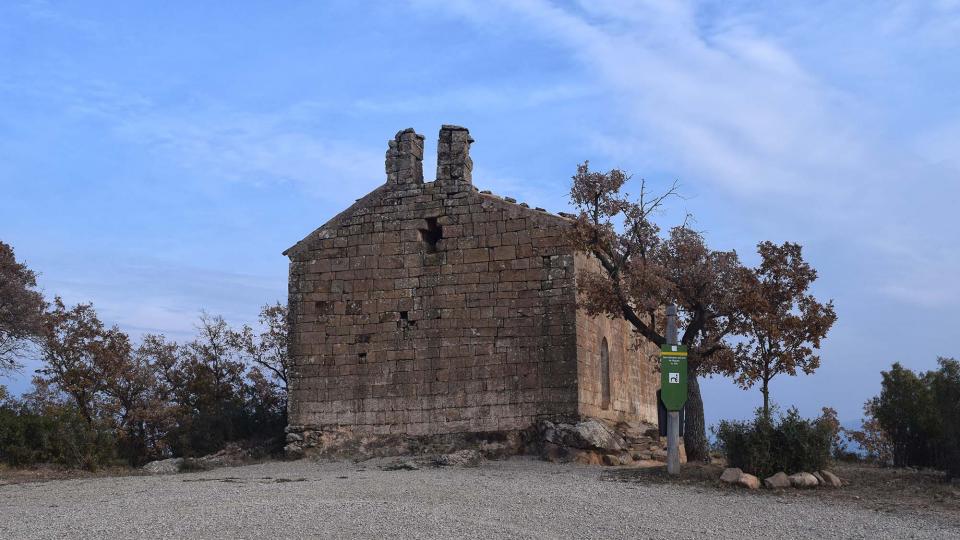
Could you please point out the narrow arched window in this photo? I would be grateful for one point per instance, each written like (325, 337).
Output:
(604, 375)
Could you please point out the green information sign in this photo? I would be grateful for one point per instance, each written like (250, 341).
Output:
(673, 376)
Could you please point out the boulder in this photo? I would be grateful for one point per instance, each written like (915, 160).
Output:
(164, 466)
(820, 480)
(589, 434)
(731, 475)
(803, 480)
(460, 458)
(748, 481)
(777, 481)
(830, 479)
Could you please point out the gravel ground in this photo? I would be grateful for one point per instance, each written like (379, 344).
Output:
(518, 498)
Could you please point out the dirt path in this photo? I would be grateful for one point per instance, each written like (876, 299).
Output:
(518, 498)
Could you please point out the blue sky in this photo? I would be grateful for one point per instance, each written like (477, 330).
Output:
(156, 158)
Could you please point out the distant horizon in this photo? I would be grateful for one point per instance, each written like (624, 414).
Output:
(157, 161)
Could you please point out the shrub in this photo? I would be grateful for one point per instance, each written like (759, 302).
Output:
(920, 416)
(945, 387)
(58, 435)
(766, 445)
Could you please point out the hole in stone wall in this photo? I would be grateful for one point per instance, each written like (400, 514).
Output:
(362, 358)
(431, 235)
(404, 322)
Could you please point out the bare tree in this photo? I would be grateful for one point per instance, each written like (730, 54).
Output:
(268, 348)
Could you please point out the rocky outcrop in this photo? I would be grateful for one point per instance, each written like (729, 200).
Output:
(591, 441)
(589, 434)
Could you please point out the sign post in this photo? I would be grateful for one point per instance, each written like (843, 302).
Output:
(673, 388)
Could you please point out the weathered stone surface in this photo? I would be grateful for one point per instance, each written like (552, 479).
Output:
(611, 460)
(830, 479)
(820, 480)
(803, 480)
(748, 481)
(431, 308)
(777, 481)
(587, 457)
(460, 458)
(164, 466)
(731, 475)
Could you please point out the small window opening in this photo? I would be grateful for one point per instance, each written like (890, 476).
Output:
(431, 235)
(403, 315)
(604, 375)
(362, 358)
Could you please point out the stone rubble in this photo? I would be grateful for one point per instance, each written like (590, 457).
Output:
(801, 480)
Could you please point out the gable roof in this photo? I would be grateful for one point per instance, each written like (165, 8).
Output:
(374, 197)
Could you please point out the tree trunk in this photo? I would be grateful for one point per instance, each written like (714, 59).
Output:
(695, 432)
(766, 398)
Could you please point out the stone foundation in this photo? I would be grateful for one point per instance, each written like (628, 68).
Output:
(344, 443)
(558, 439)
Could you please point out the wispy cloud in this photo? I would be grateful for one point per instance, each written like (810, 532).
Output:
(726, 103)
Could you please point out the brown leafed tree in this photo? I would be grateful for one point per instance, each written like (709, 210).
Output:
(640, 270)
(21, 309)
(783, 323)
(135, 396)
(72, 340)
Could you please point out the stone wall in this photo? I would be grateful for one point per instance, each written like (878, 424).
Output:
(633, 375)
(431, 308)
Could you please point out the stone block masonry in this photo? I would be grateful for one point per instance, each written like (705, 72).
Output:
(432, 308)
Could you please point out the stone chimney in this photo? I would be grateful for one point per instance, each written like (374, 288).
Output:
(404, 161)
(454, 165)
